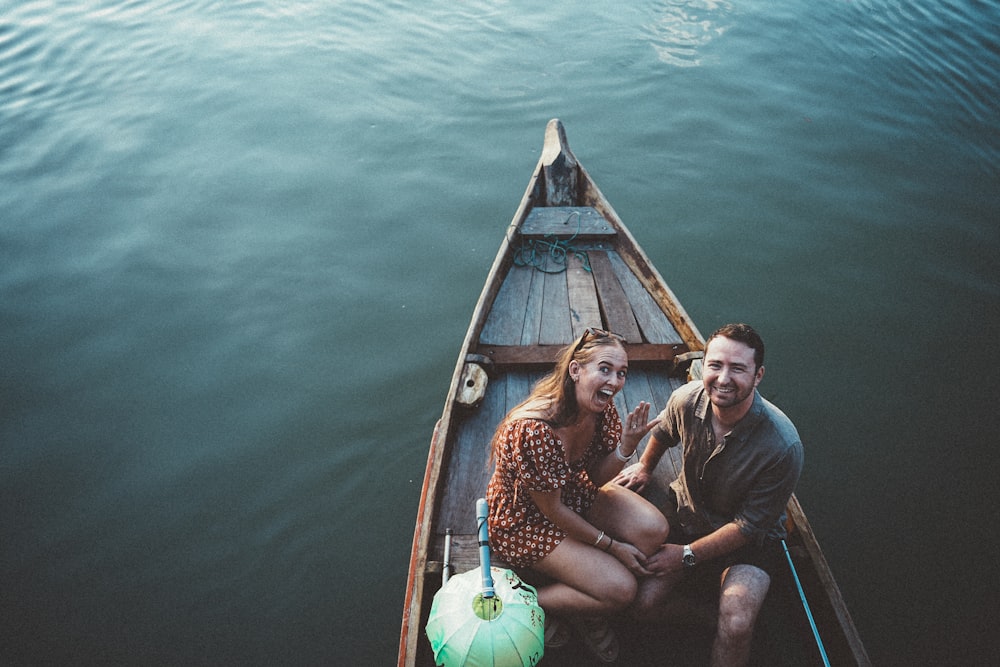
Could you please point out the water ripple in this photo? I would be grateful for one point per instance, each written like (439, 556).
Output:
(925, 51)
(681, 30)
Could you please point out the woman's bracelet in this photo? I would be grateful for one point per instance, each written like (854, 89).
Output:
(620, 456)
(599, 538)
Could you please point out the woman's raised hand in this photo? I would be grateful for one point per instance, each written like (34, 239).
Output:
(636, 427)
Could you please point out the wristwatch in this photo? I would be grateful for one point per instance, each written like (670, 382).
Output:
(689, 560)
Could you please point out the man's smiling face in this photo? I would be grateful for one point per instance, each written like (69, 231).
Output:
(730, 374)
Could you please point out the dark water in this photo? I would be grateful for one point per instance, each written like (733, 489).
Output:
(241, 242)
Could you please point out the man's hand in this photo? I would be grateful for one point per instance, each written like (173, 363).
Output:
(630, 557)
(635, 477)
(668, 560)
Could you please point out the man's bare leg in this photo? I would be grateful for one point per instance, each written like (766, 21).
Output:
(744, 588)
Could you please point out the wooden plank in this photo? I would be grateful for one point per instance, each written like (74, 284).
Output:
(469, 477)
(566, 222)
(534, 312)
(654, 324)
(646, 384)
(555, 328)
(519, 386)
(613, 301)
(661, 387)
(673, 459)
(468, 474)
(531, 355)
(583, 307)
(636, 389)
(506, 319)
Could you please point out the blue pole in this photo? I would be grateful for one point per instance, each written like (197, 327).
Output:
(805, 604)
(482, 510)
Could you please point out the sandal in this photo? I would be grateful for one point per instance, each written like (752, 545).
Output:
(598, 637)
(556, 632)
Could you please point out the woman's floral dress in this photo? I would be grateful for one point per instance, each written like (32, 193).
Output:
(531, 457)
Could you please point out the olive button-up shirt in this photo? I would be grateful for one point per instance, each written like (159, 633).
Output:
(747, 478)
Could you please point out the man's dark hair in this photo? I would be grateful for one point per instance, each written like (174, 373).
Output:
(745, 334)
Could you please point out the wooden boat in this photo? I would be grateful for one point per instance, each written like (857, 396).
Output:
(567, 263)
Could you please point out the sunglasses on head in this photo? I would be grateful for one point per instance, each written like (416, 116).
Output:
(593, 332)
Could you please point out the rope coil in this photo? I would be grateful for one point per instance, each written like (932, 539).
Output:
(543, 253)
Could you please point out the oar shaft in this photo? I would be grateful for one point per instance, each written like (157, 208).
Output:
(805, 605)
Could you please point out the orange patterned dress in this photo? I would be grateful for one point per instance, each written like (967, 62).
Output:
(531, 458)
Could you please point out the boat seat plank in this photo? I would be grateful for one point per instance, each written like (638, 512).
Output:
(566, 222)
(653, 322)
(513, 355)
(584, 309)
(506, 320)
(618, 315)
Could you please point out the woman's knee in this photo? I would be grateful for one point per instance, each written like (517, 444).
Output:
(651, 529)
(620, 592)
(656, 526)
(635, 519)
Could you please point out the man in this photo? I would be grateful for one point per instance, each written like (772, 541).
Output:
(741, 460)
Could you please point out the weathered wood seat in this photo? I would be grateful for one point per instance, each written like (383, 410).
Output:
(566, 222)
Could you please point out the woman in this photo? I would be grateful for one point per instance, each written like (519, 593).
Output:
(551, 507)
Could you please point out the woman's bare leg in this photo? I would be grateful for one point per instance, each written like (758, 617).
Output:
(627, 516)
(589, 582)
